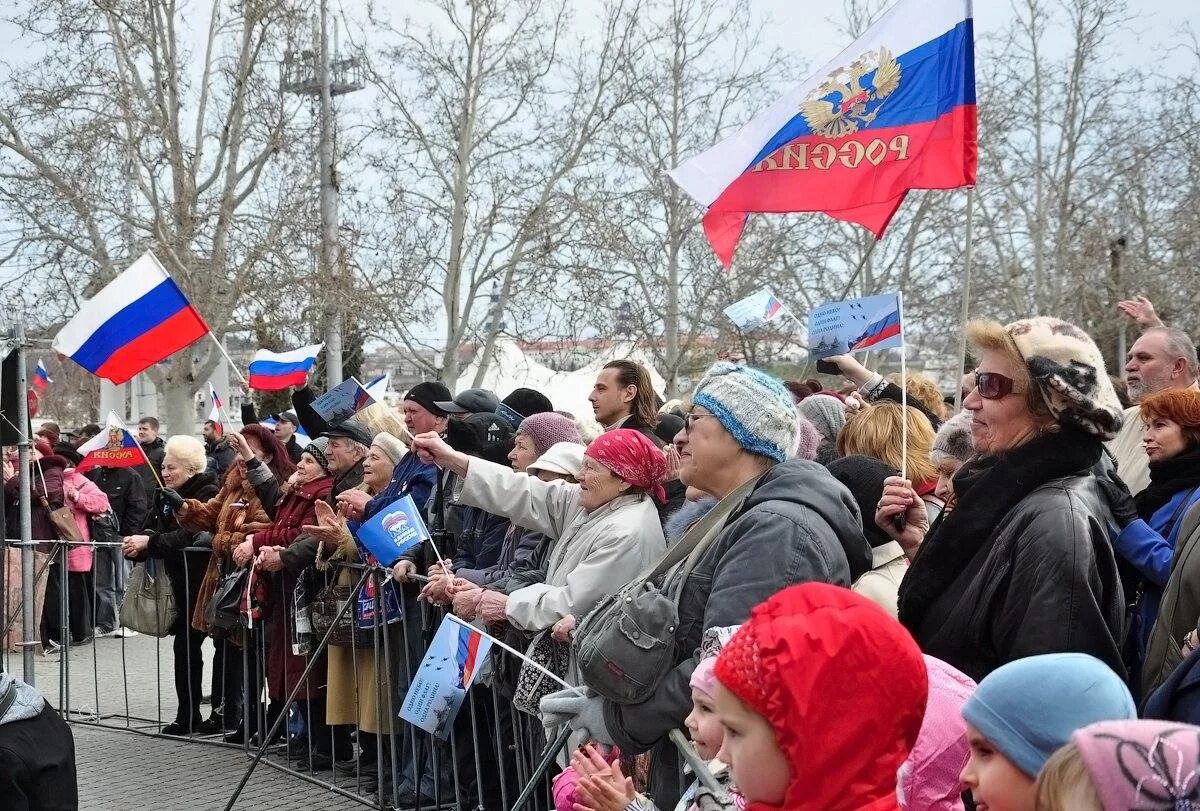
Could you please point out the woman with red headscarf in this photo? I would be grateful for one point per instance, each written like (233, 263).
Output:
(607, 526)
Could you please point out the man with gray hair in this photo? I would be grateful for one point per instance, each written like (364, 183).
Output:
(1161, 358)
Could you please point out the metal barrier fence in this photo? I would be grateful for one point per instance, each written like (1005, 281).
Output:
(496, 756)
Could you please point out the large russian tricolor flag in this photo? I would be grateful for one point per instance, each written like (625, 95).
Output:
(894, 111)
(274, 371)
(138, 319)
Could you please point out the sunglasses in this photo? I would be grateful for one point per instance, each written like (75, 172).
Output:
(993, 385)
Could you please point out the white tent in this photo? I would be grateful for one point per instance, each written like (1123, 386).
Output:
(510, 368)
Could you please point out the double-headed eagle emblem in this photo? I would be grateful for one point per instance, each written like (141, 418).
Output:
(849, 112)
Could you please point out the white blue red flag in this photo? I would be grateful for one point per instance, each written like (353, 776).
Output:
(214, 416)
(274, 371)
(378, 387)
(895, 111)
(41, 378)
(114, 446)
(440, 684)
(755, 310)
(138, 319)
(856, 325)
(302, 437)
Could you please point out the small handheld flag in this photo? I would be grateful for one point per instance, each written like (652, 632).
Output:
(214, 416)
(446, 673)
(112, 447)
(378, 387)
(275, 371)
(343, 401)
(894, 111)
(755, 310)
(856, 325)
(393, 530)
(138, 319)
(41, 379)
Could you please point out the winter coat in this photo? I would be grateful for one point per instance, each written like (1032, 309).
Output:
(789, 530)
(85, 500)
(221, 457)
(168, 540)
(37, 754)
(1150, 547)
(156, 451)
(518, 553)
(130, 501)
(1133, 466)
(225, 516)
(302, 551)
(47, 483)
(1048, 584)
(295, 510)
(1179, 607)
(479, 544)
(881, 585)
(595, 554)
(1178, 697)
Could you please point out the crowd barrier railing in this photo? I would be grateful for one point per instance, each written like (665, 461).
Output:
(495, 757)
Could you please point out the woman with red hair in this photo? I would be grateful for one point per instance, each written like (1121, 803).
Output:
(1151, 521)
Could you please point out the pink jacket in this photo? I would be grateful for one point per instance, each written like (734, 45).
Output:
(85, 500)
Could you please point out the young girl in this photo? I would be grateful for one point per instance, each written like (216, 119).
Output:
(821, 695)
(1117, 765)
(1023, 711)
(601, 786)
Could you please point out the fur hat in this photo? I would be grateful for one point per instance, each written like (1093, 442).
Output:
(953, 440)
(1068, 369)
(752, 406)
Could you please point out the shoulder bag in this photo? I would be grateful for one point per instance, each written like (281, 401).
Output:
(224, 608)
(626, 644)
(148, 606)
(62, 518)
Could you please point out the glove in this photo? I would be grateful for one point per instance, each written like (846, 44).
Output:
(172, 498)
(1119, 499)
(583, 713)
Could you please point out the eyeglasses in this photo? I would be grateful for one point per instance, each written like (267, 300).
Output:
(994, 386)
(691, 417)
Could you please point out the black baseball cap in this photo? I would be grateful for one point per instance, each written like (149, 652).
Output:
(471, 401)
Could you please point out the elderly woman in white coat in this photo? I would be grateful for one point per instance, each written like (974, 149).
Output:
(607, 526)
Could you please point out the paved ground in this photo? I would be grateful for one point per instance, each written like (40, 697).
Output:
(121, 769)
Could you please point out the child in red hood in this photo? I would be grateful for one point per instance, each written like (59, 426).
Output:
(822, 695)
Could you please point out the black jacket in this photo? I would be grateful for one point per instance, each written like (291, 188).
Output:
(37, 764)
(1178, 699)
(126, 495)
(792, 529)
(1048, 584)
(250, 417)
(167, 542)
(156, 450)
(221, 456)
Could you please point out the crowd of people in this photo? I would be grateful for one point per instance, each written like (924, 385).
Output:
(847, 595)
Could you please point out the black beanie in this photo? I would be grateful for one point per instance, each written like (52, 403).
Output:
(863, 477)
(522, 403)
(428, 395)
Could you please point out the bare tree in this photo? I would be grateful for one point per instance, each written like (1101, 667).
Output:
(488, 126)
(123, 137)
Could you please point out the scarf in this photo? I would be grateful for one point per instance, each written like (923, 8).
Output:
(633, 457)
(986, 488)
(1168, 477)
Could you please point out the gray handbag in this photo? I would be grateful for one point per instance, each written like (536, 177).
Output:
(148, 606)
(626, 644)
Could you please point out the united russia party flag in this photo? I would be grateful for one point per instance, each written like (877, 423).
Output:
(138, 319)
(894, 111)
(274, 371)
(112, 447)
(441, 682)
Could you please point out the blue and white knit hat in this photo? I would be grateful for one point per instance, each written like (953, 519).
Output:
(753, 407)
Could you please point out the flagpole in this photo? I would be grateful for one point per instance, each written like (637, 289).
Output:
(968, 257)
(903, 389)
(237, 369)
(862, 263)
(125, 428)
(515, 652)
